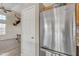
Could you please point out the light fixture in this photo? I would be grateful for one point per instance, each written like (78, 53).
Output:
(11, 12)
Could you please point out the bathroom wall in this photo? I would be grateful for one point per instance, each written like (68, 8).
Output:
(11, 31)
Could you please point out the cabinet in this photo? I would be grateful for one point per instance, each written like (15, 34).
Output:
(30, 31)
(77, 14)
(77, 23)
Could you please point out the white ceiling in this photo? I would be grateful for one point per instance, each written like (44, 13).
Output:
(19, 6)
(16, 6)
(11, 5)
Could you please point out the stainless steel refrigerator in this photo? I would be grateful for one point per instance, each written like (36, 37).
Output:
(57, 31)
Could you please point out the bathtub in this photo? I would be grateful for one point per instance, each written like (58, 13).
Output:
(9, 47)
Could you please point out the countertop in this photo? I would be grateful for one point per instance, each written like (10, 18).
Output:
(77, 41)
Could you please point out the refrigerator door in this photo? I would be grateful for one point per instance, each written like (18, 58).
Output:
(57, 29)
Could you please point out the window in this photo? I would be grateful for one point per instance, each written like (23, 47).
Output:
(2, 24)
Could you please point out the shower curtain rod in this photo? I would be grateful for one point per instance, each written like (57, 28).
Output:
(58, 5)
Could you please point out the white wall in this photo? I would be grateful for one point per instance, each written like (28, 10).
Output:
(11, 30)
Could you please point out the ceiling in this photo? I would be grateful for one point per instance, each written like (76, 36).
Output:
(19, 6)
(11, 5)
(15, 6)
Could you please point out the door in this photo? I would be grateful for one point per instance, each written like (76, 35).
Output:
(58, 29)
(28, 42)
